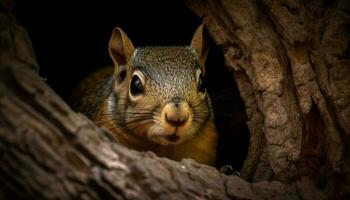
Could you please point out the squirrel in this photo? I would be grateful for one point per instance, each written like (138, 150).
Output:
(153, 99)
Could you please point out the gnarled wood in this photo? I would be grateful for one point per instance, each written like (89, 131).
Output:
(289, 59)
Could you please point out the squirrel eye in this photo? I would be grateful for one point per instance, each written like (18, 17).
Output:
(136, 86)
(201, 83)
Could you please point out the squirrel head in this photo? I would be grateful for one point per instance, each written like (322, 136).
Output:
(159, 92)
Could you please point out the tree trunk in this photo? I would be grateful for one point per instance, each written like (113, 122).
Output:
(289, 61)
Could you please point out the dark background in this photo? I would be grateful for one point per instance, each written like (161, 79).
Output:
(70, 39)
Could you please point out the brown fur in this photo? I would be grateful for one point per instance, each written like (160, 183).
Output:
(90, 94)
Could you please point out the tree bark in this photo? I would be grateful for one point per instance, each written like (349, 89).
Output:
(290, 60)
(297, 114)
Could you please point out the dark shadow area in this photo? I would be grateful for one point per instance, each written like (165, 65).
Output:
(229, 110)
(70, 39)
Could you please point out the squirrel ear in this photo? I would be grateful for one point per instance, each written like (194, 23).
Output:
(120, 47)
(200, 45)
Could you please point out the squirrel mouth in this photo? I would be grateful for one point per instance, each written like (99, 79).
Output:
(173, 137)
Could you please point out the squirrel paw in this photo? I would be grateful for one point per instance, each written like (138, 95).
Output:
(228, 170)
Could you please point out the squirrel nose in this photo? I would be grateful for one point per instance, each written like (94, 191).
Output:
(176, 113)
(176, 120)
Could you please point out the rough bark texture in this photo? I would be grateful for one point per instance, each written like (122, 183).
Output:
(289, 86)
(290, 60)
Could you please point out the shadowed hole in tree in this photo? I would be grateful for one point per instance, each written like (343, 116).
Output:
(70, 46)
